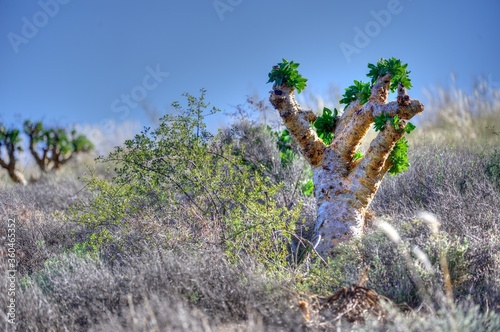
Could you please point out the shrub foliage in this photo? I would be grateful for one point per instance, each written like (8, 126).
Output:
(180, 170)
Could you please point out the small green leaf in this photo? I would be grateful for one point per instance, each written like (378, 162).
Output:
(409, 127)
(307, 188)
(358, 155)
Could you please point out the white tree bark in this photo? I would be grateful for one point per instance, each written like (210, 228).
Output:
(344, 189)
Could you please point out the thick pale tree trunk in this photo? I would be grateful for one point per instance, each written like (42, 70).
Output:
(345, 188)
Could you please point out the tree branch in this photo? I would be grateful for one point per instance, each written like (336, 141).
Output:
(298, 123)
(367, 175)
(3, 164)
(357, 120)
(380, 90)
(347, 141)
(346, 117)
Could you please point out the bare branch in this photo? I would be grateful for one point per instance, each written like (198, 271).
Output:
(298, 123)
(367, 175)
(380, 90)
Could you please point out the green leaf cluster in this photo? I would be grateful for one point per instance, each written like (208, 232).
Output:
(399, 154)
(307, 187)
(286, 73)
(399, 157)
(325, 124)
(394, 67)
(379, 122)
(284, 142)
(357, 155)
(359, 90)
(10, 139)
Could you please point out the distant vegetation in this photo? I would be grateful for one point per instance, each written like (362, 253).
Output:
(50, 147)
(182, 230)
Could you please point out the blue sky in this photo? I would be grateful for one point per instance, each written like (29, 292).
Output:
(74, 62)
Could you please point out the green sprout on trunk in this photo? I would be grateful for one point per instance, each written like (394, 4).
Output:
(286, 73)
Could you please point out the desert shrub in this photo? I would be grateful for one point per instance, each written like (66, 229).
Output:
(492, 167)
(275, 156)
(179, 183)
(273, 152)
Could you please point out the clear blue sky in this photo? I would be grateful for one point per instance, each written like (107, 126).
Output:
(70, 61)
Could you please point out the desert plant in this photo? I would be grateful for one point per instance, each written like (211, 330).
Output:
(182, 174)
(10, 143)
(344, 188)
(53, 147)
(493, 168)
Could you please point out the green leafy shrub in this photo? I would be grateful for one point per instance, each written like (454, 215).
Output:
(284, 142)
(493, 168)
(307, 187)
(180, 174)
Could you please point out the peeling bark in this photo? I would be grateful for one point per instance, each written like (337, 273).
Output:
(344, 189)
(298, 122)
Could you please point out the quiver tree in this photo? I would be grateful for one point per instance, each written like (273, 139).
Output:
(10, 143)
(53, 147)
(345, 182)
